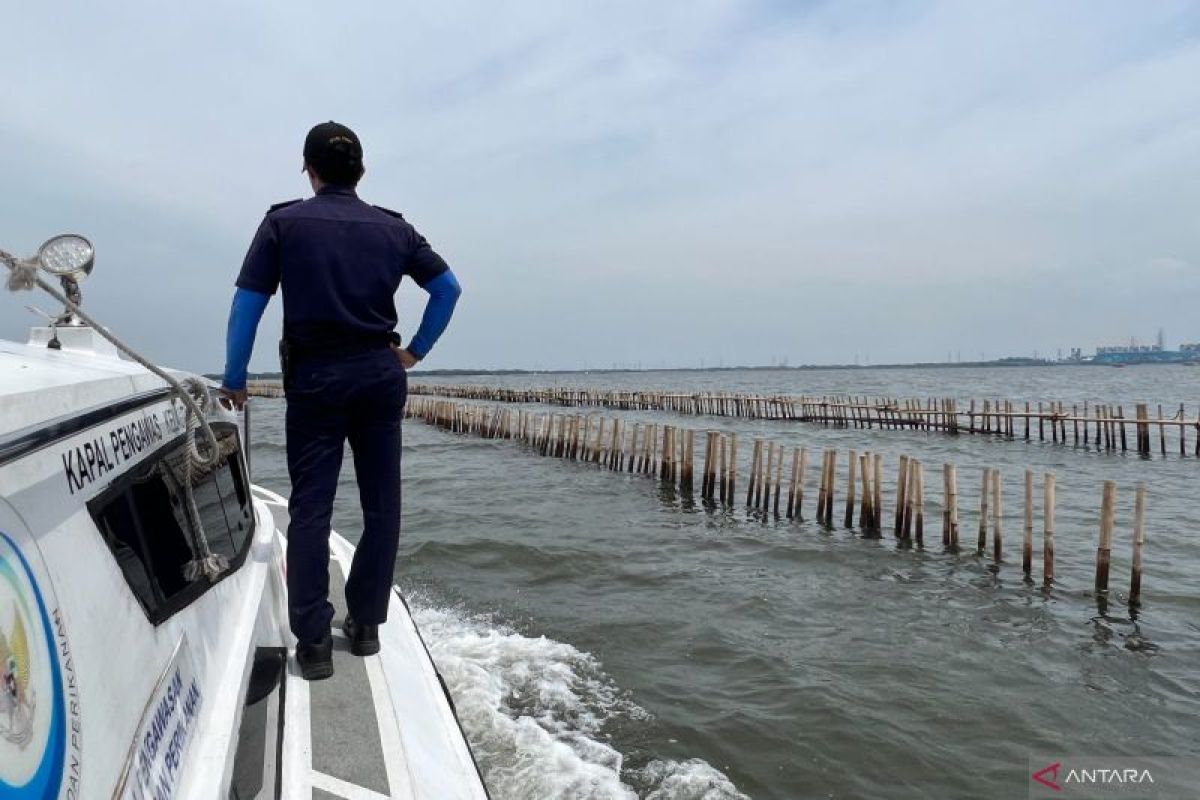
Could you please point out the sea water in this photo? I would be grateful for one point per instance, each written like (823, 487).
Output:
(604, 637)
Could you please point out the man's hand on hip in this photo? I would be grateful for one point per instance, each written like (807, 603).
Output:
(407, 359)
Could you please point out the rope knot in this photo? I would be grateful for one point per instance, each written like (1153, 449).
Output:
(210, 566)
(22, 276)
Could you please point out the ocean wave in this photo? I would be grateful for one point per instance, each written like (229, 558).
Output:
(693, 779)
(538, 714)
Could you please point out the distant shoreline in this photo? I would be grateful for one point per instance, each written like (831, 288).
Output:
(1004, 362)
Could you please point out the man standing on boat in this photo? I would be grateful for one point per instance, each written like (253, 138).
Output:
(339, 262)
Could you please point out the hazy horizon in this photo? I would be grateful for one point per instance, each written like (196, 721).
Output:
(626, 183)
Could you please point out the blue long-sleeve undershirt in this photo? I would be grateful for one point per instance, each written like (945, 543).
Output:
(244, 316)
(248, 306)
(444, 292)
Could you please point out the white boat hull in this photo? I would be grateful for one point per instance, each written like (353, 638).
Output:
(122, 674)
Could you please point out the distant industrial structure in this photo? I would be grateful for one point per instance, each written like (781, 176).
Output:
(1142, 354)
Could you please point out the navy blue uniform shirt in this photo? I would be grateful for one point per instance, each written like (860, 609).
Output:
(340, 262)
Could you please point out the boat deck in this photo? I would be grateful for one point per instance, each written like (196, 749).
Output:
(341, 737)
(347, 749)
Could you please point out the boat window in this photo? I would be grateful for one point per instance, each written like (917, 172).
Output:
(154, 537)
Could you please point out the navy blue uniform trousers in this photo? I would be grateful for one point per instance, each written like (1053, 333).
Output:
(330, 400)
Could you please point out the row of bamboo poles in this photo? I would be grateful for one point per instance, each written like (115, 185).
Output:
(264, 388)
(669, 453)
(1104, 426)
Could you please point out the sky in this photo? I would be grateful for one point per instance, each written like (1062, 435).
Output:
(630, 183)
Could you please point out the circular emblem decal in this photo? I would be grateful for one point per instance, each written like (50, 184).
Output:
(32, 716)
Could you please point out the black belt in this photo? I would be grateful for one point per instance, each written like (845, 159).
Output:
(292, 352)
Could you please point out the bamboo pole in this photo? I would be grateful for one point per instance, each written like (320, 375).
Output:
(637, 461)
(732, 466)
(1139, 538)
(664, 464)
(1104, 550)
(901, 496)
(983, 510)
(754, 460)
(762, 491)
(952, 503)
(635, 448)
(685, 477)
(706, 481)
(599, 441)
(771, 447)
(778, 479)
(920, 475)
(724, 469)
(615, 447)
(793, 484)
(830, 488)
(677, 456)
(649, 467)
(800, 483)
(877, 492)
(1027, 543)
(1048, 531)
(866, 512)
(822, 487)
(910, 488)
(715, 478)
(853, 464)
(997, 515)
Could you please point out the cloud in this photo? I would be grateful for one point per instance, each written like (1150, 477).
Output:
(634, 182)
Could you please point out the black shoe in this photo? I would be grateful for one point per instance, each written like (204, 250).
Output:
(364, 639)
(316, 658)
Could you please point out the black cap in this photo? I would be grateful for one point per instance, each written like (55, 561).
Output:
(333, 149)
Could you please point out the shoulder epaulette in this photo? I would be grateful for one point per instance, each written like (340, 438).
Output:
(284, 204)
(389, 212)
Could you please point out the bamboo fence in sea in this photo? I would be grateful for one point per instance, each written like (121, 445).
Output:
(1103, 425)
(668, 452)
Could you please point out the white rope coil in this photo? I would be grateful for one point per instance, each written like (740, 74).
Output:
(206, 562)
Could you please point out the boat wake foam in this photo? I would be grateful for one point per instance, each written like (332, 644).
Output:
(539, 714)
